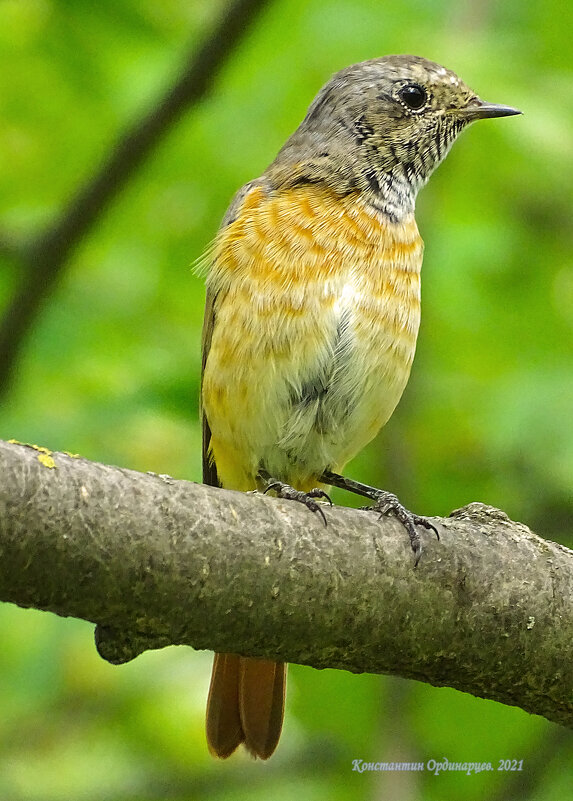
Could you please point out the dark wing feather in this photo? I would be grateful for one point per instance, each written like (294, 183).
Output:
(209, 467)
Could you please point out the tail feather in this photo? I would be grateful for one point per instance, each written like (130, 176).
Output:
(261, 704)
(246, 704)
(224, 730)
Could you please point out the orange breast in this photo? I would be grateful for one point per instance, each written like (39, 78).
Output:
(316, 318)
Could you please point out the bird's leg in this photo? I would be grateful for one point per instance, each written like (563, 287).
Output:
(386, 503)
(290, 493)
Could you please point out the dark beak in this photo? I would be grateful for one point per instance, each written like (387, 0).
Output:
(479, 110)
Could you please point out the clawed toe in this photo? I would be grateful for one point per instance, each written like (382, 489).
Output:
(388, 504)
(287, 492)
(319, 493)
(385, 503)
(423, 521)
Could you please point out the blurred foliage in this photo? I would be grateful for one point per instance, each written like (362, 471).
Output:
(111, 369)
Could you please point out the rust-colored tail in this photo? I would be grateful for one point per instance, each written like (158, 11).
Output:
(246, 705)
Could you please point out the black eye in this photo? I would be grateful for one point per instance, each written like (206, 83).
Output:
(413, 96)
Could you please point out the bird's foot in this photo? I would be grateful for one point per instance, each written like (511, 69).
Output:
(291, 494)
(386, 503)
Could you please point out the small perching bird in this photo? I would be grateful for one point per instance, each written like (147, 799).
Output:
(312, 314)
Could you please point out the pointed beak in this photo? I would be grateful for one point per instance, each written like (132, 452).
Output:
(479, 110)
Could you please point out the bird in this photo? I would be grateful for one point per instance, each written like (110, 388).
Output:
(311, 319)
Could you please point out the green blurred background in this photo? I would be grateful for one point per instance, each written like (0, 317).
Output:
(111, 367)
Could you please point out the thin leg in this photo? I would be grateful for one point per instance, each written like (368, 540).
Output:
(385, 503)
(290, 493)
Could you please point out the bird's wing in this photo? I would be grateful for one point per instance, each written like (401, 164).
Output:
(210, 475)
(209, 467)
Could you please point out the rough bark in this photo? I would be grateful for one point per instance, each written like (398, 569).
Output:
(155, 561)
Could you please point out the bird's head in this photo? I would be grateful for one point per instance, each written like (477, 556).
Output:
(384, 122)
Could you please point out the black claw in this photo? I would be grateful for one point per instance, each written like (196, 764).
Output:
(291, 494)
(316, 508)
(318, 493)
(423, 521)
(387, 503)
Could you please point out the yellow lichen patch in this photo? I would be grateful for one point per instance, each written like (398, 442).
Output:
(41, 449)
(46, 458)
(45, 454)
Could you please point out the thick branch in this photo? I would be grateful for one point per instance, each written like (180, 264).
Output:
(46, 255)
(156, 561)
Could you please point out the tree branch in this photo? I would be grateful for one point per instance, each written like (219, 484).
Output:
(155, 561)
(45, 256)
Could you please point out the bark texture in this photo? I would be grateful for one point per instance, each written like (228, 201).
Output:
(155, 561)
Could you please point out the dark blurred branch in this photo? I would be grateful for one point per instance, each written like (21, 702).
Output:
(154, 561)
(9, 248)
(45, 256)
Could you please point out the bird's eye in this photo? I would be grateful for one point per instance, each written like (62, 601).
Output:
(413, 96)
